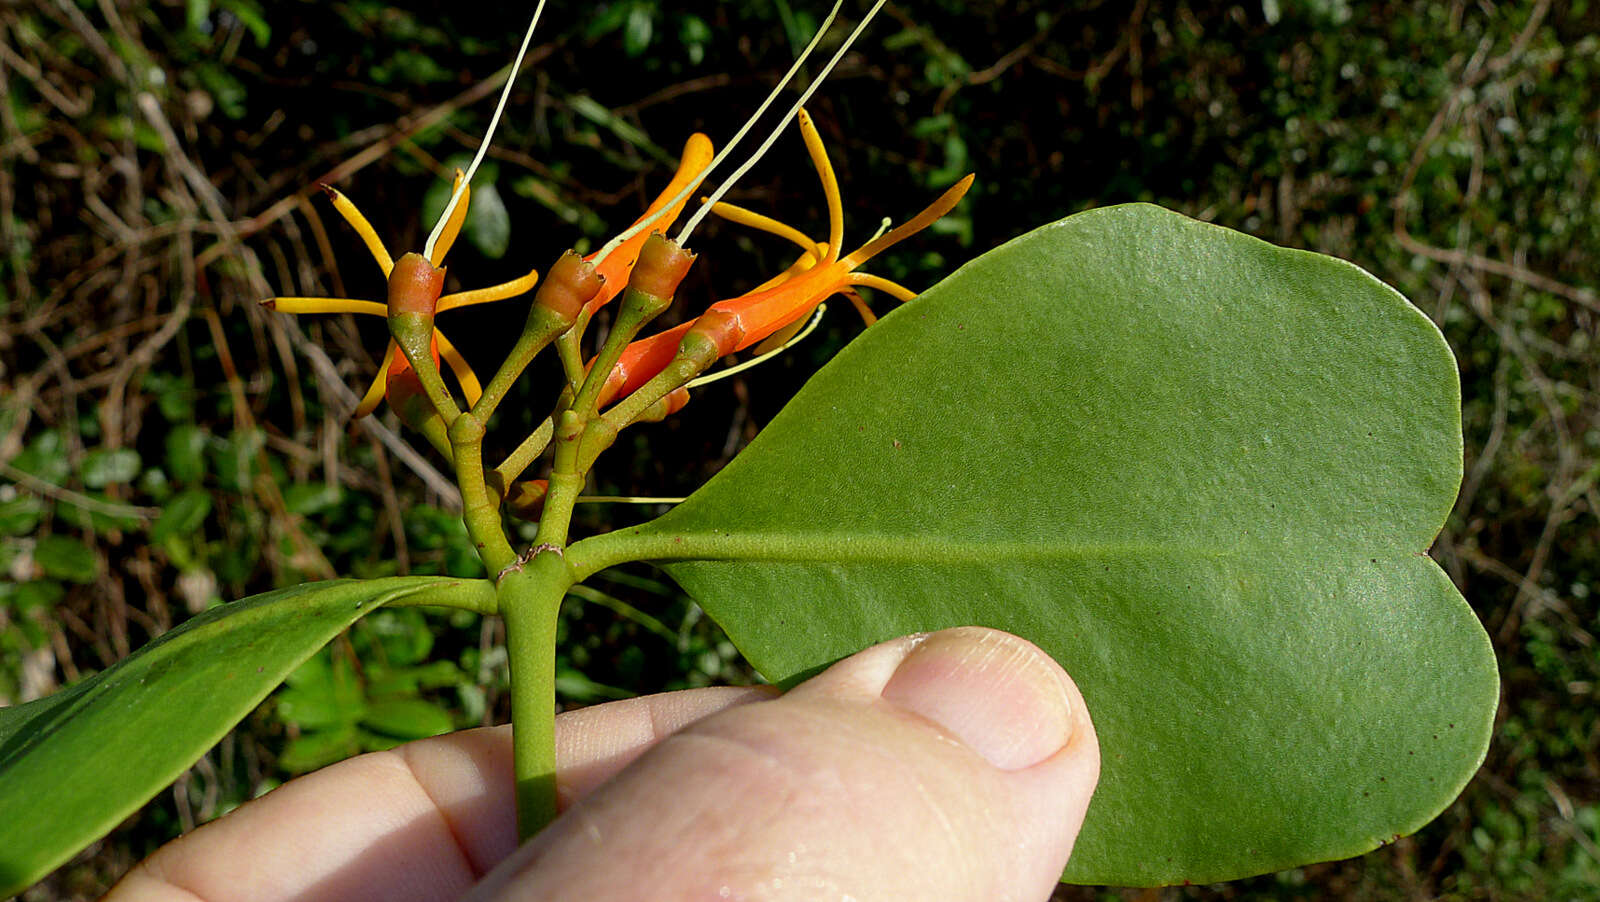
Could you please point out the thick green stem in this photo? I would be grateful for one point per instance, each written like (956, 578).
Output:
(570, 347)
(530, 600)
(676, 375)
(631, 318)
(479, 510)
(413, 333)
(525, 454)
(542, 327)
(557, 518)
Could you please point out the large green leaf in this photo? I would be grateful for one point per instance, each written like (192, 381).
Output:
(75, 763)
(1199, 470)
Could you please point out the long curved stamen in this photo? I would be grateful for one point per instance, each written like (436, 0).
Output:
(369, 401)
(369, 235)
(452, 226)
(865, 312)
(325, 305)
(738, 136)
(470, 386)
(741, 216)
(917, 223)
(499, 292)
(688, 228)
(483, 146)
(893, 289)
(830, 185)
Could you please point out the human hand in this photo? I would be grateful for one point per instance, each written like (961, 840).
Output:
(952, 766)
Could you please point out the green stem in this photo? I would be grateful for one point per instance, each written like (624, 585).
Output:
(676, 375)
(556, 521)
(570, 348)
(413, 333)
(527, 452)
(530, 600)
(631, 318)
(479, 511)
(543, 326)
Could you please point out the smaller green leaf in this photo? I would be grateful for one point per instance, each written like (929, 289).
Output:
(35, 594)
(377, 742)
(93, 753)
(608, 19)
(331, 699)
(45, 458)
(199, 11)
(186, 461)
(408, 718)
(577, 686)
(313, 750)
(249, 13)
(307, 498)
(408, 681)
(637, 30)
(66, 558)
(183, 516)
(20, 515)
(694, 34)
(174, 394)
(403, 635)
(488, 224)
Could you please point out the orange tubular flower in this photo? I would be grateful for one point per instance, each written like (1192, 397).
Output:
(414, 285)
(697, 154)
(737, 323)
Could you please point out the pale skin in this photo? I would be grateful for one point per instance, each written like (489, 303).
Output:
(956, 765)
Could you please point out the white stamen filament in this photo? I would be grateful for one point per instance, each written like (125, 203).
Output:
(721, 155)
(626, 499)
(683, 236)
(483, 146)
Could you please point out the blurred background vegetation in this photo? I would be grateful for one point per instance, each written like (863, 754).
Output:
(165, 444)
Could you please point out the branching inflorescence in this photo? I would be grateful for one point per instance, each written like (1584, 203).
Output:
(628, 380)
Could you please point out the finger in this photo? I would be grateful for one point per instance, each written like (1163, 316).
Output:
(423, 821)
(955, 766)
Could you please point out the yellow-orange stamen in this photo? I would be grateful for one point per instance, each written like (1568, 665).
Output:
(369, 236)
(893, 289)
(946, 202)
(511, 289)
(324, 305)
(452, 226)
(369, 401)
(742, 216)
(458, 365)
(830, 184)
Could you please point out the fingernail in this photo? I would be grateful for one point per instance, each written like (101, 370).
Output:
(998, 694)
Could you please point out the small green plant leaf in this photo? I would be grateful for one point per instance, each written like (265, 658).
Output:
(323, 696)
(75, 763)
(407, 718)
(314, 750)
(20, 515)
(182, 516)
(66, 558)
(104, 466)
(186, 445)
(488, 224)
(1200, 471)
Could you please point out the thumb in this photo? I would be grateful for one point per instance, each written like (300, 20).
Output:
(956, 765)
